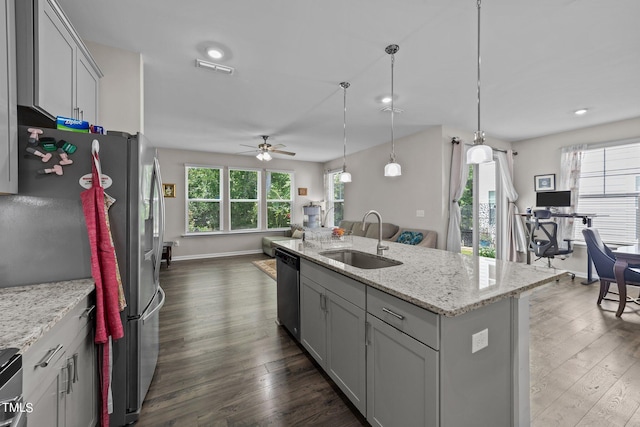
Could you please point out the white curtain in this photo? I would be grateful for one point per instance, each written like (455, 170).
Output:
(515, 236)
(457, 183)
(570, 164)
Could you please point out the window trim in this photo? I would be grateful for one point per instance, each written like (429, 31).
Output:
(267, 200)
(258, 200)
(187, 200)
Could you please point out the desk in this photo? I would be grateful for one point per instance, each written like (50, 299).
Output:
(586, 220)
(625, 255)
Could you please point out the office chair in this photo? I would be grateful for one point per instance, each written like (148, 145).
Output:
(544, 238)
(604, 260)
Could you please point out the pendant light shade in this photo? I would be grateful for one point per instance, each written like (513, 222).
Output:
(392, 168)
(344, 176)
(479, 153)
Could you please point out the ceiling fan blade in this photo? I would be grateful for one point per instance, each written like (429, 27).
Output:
(276, 147)
(248, 151)
(288, 153)
(251, 146)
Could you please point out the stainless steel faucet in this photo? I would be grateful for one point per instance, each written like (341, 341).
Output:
(380, 248)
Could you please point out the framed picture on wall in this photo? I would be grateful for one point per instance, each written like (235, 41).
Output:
(169, 190)
(545, 182)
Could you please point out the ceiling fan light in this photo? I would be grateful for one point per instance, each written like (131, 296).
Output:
(392, 169)
(266, 156)
(477, 154)
(345, 177)
(260, 156)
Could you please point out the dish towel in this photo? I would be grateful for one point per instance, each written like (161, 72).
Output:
(105, 273)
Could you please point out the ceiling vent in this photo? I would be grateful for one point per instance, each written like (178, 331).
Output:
(387, 109)
(214, 67)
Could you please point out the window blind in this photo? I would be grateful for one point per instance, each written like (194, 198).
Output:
(609, 187)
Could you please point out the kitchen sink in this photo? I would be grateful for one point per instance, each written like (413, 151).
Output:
(360, 259)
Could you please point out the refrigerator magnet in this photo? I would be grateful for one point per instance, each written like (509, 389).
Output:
(86, 181)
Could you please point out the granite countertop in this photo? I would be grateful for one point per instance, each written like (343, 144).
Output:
(28, 312)
(443, 282)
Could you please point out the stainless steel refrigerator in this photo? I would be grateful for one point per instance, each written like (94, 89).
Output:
(47, 215)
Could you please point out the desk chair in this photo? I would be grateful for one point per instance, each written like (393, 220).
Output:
(604, 260)
(543, 240)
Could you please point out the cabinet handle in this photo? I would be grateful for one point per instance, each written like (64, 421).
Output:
(75, 367)
(399, 316)
(323, 302)
(69, 375)
(76, 112)
(49, 357)
(64, 375)
(367, 333)
(88, 312)
(81, 114)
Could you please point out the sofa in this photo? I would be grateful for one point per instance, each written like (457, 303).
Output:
(392, 233)
(267, 241)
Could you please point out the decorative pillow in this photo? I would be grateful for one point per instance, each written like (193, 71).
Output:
(410, 237)
(297, 234)
(295, 227)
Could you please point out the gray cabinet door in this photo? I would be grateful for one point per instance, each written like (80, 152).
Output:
(402, 378)
(49, 409)
(8, 112)
(346, 350)
(313, 328)
(54, 63)
(86, 90)
(82, 398)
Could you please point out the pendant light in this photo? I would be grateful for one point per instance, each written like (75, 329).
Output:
(392, 168)
(345, 176)
(479, 153)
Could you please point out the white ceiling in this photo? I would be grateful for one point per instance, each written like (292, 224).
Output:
(541, 60)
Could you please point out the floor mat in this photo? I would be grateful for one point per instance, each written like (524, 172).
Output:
(268, 266)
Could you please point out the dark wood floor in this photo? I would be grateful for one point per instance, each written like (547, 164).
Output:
(224, 362)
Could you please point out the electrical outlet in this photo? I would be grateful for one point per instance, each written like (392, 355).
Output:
(177, 242)
(479, 340)
(420, 213)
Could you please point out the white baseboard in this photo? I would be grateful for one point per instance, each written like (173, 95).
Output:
(215, 255)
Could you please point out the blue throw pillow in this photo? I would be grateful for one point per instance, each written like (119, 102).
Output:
(410, 237)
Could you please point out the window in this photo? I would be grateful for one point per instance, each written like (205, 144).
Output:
(608, 186)
(203, 199)
(243, 199)
(279, 199)
(334, 193)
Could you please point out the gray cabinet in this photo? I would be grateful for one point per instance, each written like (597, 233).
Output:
(8, 112)
(332, 326)
(57, 75)
(60, 374)
(402, 378)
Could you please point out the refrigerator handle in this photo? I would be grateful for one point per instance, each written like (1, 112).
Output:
(160, 243)
(158, 307)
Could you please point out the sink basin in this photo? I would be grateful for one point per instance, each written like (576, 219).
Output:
(360, 259)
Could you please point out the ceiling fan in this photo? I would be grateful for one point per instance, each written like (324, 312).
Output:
(264, 149)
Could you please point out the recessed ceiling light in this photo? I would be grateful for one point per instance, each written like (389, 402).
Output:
(580, 112)
(386, 100)
(215, 53)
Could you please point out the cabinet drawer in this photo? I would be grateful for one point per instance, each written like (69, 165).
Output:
(414, 321)
(347, 288)
(60, 337)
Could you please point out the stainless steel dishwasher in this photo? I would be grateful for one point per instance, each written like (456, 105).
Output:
(13, 411)
(288, 278)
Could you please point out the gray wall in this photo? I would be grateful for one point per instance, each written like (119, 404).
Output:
(172, 164)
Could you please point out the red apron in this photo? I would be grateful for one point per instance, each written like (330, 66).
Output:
(104, 272)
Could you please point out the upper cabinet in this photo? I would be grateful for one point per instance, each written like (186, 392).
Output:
(8, 114)
(56, 73)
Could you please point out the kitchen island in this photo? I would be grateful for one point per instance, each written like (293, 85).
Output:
(441, 339)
